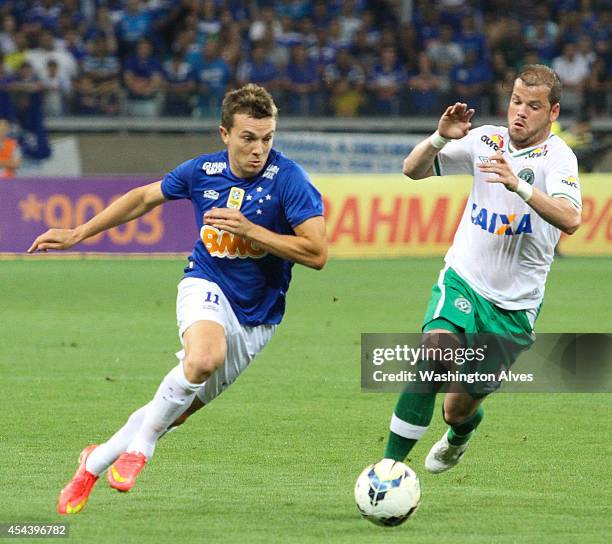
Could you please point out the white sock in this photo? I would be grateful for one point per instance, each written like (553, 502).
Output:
(106, 454)
(174, 395)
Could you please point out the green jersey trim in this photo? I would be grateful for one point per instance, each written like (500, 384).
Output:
(570, 198)
(515, 153)
(436, 167)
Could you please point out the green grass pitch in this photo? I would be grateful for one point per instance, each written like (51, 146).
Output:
(274, 459)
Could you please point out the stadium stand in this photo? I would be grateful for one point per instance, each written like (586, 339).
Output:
(341, 58)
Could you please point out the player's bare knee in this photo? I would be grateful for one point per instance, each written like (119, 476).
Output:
(199, 367)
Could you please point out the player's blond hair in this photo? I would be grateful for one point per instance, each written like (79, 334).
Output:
(251, 99)
(539, 74)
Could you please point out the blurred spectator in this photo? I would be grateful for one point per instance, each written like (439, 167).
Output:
(509, 40)
(579, 136)
(470, 80)
(323, 53)
(74, 45)
(143, 78)
(294, 9)
(134, 24)
(584, 49)
(179, 85)
(362, 51)
(471, 39)
(229, 35)
(102, 28)
(259, 69)
(48, 50)
(345, 85)
(335, 37)
(7, 34)
(569, 25)
(25, 84)
(10, 154)
(370, 30)
(86, 98)
(213, 76)
(598, 89)
(27, 98)
(56, 90)
(103, 71)
(407, 45)
(499, 70)
(443, 51)
(425, 89)
(386, 81)
(302, 83)
(265, 26)
(541, 33)
(350, 20)
(573, 70)
(427, 21)
(19, 55)
(502, 91)
(320, 14)
(209, 24)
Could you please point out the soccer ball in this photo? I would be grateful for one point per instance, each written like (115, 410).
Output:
(387, 492)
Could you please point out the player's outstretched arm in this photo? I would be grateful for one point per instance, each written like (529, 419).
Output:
(308, 246)
(454, 124)
(131, 205)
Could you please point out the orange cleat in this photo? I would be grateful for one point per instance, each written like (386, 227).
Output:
(122, 473)
(74, 496)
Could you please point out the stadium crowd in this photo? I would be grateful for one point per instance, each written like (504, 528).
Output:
(336, 57)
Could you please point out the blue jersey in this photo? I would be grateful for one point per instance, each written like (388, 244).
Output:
(279, 198)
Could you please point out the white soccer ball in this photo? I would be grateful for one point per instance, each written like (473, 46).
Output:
(387, 492)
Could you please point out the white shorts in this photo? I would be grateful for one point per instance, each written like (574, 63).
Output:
(203, 300)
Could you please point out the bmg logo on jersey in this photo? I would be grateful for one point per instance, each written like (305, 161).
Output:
(501, 223)
(225, 244)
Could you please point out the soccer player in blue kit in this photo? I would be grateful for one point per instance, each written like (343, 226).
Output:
(257, 213)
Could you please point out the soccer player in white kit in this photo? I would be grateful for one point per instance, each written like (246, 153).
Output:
(256, 214)
(525, 192)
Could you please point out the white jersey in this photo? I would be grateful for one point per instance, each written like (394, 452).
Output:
(502, 247)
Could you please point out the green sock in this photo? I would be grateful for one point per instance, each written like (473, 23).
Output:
(460, 434)
(415, 410)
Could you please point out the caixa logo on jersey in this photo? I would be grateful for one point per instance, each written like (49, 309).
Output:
(496, 141)
(507, 224)
(227, 245)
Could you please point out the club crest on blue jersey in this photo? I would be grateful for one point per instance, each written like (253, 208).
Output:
(501, 223)
(234, 200)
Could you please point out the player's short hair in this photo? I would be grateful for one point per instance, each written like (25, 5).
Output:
(251, 99)
(539, 74)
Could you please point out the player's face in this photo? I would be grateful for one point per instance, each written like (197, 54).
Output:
(248, 143)
(530, 114)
